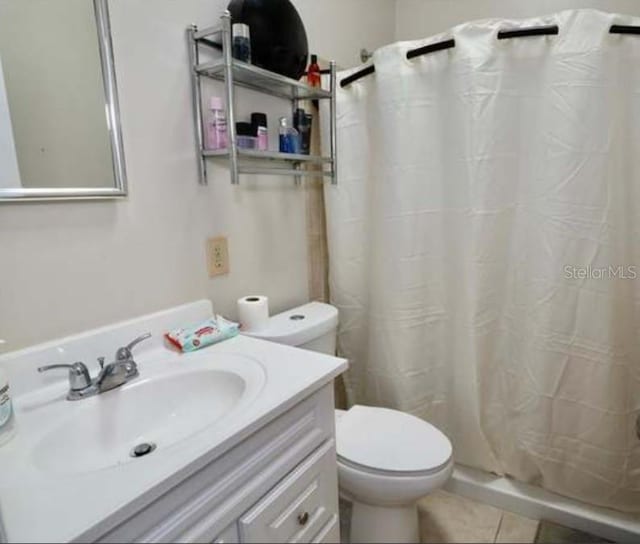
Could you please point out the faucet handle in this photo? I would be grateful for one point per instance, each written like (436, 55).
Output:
(141, 338)
(79, 377)
(124, 353)
(101, 362)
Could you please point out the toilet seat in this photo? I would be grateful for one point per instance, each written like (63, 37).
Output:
(389, 458)
(388, 442)
(389, 489)
(393, 473)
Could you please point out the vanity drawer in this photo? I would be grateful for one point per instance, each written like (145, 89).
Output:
(330, 533)
(300, 506)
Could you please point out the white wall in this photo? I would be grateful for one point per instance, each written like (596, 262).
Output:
(338, 29)
(68, 267)
(417, 19)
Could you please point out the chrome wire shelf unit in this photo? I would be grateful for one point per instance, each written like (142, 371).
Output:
(240, 74)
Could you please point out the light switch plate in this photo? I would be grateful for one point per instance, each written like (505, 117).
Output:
(217, 256)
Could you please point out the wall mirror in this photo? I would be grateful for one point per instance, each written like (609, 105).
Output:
(60, 136)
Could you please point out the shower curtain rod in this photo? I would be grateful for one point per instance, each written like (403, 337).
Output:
(550, 30)
(448, 44)
(357, 75)
(413, 53)
(624, 29)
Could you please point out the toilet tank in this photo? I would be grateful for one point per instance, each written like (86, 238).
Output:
(312, 326)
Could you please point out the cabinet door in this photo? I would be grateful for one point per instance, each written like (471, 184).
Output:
(300, 506)
(228, 536)
(330, 533)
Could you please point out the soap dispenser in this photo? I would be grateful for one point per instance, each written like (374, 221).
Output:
(289, 137)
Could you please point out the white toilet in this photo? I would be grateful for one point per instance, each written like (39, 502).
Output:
(387, 459)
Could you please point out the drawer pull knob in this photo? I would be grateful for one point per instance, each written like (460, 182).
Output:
(303, 518)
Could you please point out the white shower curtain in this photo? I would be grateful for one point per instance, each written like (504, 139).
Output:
(483, 241)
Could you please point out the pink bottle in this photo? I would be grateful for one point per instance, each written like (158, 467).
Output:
(217, 137)
(259, 121)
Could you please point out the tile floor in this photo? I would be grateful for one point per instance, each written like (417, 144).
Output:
(552, 532)
(450, 518)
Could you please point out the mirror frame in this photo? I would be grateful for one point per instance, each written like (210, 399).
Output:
(112, 111)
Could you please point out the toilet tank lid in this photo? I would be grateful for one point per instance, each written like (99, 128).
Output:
(300, 325)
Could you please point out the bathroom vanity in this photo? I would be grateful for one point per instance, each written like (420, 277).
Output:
(236, 443)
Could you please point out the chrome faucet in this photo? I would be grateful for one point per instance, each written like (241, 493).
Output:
(121, 371)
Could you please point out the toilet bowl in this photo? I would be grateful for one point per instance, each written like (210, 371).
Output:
(387, 459)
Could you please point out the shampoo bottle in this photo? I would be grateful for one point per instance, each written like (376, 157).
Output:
(313, 73)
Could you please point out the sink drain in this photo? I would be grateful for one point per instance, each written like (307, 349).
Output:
(142, 449)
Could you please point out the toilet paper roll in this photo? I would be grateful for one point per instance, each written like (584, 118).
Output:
(253, 312)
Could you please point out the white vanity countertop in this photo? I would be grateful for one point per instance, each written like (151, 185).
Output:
(52, 506)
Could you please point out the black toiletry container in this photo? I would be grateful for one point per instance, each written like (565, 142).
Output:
(302, 123)
(245, 129)
(259, 119)
(278, 37)
(246, 136)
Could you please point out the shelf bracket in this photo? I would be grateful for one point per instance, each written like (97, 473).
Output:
(230, 92)
(333, 129)
(196, 97)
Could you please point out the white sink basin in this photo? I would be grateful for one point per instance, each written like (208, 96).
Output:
(68, 466)
(100, 432)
